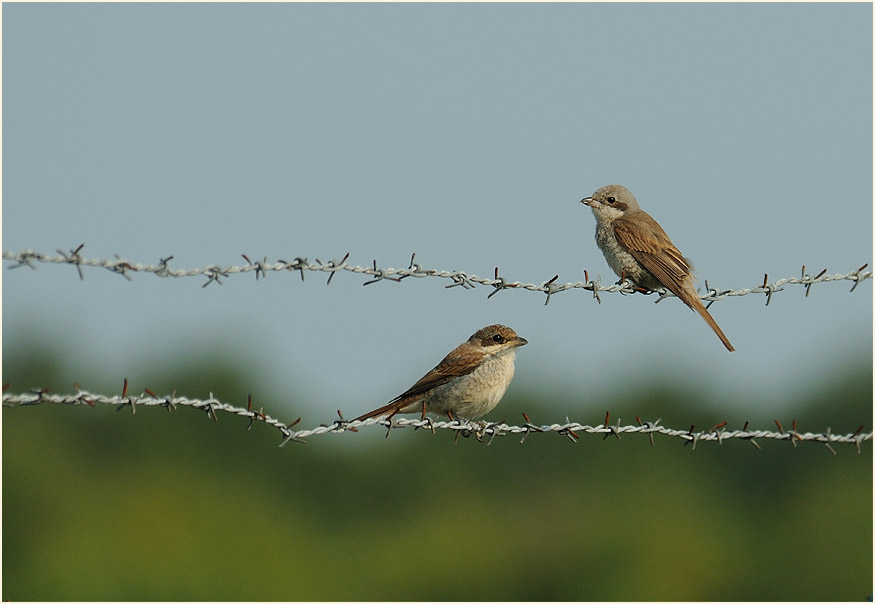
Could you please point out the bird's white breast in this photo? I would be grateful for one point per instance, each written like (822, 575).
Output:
(620, 260)
(478, 392)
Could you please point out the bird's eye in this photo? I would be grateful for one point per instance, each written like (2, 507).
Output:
(612, 199)
(498, 338)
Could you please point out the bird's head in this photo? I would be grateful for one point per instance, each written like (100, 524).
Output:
(611, 202)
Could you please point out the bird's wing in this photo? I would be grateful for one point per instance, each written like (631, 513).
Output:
(453, 365)
(650, 246)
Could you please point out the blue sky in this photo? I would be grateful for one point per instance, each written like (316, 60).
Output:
(466, 133)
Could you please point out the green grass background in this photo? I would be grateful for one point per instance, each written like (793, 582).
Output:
(106, 505)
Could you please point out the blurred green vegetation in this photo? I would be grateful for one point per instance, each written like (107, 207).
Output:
(106, 505)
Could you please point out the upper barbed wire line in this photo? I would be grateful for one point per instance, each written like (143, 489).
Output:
(215, 273)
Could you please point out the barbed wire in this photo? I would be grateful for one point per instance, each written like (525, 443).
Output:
(483, 430)
(214, 274)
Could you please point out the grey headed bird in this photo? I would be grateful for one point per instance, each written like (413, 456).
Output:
(637, 248)
(467, 383)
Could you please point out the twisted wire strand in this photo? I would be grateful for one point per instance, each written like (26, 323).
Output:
(215, 274)
(482, 430)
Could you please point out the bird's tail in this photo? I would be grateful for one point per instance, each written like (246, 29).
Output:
(700, 308)
(378, 412)
(396, 406)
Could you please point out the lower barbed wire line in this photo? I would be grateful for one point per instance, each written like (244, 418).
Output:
(215, 274)
(477, 428)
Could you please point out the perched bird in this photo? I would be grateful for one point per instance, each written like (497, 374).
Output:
(468, 383)
(637, 248)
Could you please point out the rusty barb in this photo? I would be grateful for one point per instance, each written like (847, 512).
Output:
(216, 274)
(483, 431)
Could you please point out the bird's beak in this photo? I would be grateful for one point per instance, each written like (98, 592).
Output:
(588, 201)
(519, 342)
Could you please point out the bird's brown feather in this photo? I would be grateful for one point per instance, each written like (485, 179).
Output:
(454, 365)
(655, 251)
